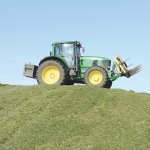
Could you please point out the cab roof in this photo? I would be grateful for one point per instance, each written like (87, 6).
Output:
(63, 42)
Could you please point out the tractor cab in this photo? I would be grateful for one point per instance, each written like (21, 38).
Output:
(69, 51)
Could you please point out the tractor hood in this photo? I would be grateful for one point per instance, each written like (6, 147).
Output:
(94, 58)
(88, 61)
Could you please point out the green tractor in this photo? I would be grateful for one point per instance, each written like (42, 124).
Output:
(66, 66)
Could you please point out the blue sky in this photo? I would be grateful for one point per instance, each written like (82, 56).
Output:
(105, 28)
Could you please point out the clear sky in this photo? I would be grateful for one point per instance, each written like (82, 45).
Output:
(105, 28)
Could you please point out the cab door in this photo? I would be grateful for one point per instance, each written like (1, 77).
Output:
(68, 54)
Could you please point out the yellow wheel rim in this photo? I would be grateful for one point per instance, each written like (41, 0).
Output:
(95, 77)
(50, 75)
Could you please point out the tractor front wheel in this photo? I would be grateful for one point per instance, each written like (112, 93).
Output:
(108, 84)
(51, 72)
(97, 76)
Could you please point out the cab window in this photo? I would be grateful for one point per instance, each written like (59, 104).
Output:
(57, 49)
(68, 53)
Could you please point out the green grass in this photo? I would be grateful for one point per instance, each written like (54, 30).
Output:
(73, 118)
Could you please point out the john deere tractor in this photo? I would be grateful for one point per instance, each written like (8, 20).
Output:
(66, 66)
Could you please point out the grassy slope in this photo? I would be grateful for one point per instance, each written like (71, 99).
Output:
(72, 118)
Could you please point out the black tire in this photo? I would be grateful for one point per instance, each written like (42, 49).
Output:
(60, 67)
(104, 81)
(108, 84)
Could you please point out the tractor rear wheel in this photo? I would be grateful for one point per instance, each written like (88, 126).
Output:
(97, 76)
(51, 72)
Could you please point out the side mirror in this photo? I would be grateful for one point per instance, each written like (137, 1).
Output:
(50, 53)
(83, 49)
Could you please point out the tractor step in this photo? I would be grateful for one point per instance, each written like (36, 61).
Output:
(72, 72)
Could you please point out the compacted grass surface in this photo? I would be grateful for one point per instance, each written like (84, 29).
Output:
(45, 117)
